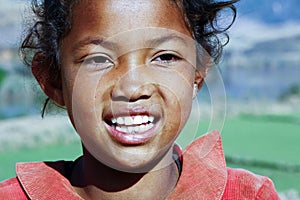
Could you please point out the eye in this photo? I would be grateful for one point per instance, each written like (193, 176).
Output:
(166, 58)
(98, 61)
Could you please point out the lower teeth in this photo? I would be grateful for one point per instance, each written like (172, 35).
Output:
(134, 129)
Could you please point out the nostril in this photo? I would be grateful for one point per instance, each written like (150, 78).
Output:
(132, 91)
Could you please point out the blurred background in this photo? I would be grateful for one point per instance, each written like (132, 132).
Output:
(260, 70)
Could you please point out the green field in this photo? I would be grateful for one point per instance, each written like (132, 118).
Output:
(268, 145)
(266, 140)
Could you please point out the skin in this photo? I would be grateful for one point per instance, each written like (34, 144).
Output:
(100, 80)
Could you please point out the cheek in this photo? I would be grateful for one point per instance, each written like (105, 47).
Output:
(179, 84)
(179, 104)
(81, 90)
(178, 94)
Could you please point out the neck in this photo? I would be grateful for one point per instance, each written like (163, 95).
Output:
(95, 180)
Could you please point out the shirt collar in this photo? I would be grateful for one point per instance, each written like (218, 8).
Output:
(42, 181)
(203, 175)
(204, 172)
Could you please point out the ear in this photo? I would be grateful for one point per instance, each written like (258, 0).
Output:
(199, 80)
(45, 75)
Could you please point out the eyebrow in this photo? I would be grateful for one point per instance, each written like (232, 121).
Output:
(160, 40)
(100, 41)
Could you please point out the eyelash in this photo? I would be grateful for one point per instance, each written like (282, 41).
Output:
(167, 58)
(102, 62)
(98, 61)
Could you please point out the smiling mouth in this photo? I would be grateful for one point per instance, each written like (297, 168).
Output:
(132, 124)
(132, 130)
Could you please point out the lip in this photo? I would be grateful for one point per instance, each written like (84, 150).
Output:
(133, 138)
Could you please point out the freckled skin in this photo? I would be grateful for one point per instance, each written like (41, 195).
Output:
(139, 81)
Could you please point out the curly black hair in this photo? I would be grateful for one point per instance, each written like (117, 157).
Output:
(53, 22)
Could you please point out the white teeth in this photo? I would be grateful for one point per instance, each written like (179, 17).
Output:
(114, 120)
(138, 119)
(142, 127)
(135, 120)
(128, 120)
(118, 128)
(151, 119)
(130, 129)
(134, 129)
(150, 125)
(145, 119)
(124, 129)
(120, 120)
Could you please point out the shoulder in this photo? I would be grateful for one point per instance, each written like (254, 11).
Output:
(46, 180)
(247, 185)
(11, 189)
(44, 177)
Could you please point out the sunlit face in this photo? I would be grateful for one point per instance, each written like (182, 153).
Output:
(128, 72)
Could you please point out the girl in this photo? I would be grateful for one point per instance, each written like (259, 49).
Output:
(127, 72)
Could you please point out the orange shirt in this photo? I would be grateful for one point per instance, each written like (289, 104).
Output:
(204, 176)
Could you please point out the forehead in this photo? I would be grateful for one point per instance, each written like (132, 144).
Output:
(109, 17)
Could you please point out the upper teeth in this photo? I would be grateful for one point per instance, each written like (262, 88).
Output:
(135, 120)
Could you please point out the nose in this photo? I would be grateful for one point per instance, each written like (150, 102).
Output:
(133, 83)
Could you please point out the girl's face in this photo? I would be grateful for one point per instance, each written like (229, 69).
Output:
(128, 73)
